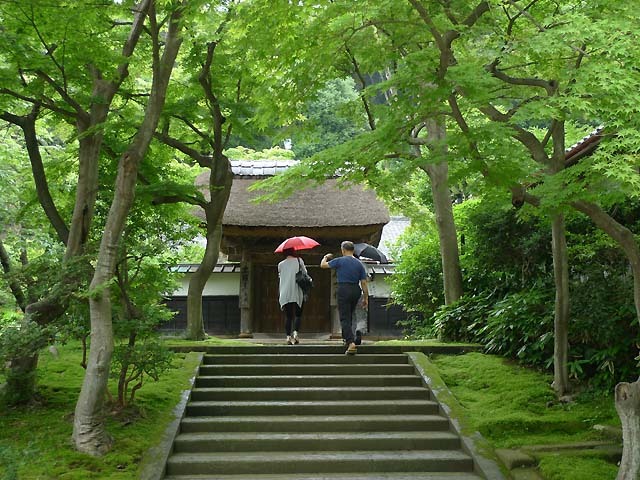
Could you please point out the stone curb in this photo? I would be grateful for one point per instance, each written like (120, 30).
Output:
(484, 457)
(155, 459)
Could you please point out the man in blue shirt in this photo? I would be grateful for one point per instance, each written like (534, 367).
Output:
(351, 276)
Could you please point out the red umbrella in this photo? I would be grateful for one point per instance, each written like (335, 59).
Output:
(297, 243)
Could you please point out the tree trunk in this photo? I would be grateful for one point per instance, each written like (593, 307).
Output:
(561, 320)
(89, 434)
(16, 290)
(219, 188)
(451, 273)
(628, 407)
(124, 369)
(195, 323)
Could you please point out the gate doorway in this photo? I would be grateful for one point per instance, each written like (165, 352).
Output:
(267, 316)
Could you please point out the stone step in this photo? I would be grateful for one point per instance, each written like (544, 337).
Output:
(290, 442)
(369, 407)
(315, 359)
(315, 423)
(328, 349)
(244, 381)
(292, 369)
(314, 462)
(335, 476)
(310, 393)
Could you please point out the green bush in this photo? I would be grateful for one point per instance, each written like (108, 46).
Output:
(417, 284)
(133, 364)
(516, 326)
(521, 326)
(604, 331)
(462, 320)
(508, 304)
(20, 342)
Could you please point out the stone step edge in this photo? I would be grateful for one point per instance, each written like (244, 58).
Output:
(311, 418)
(330, 455)
(335, 476)
(316, 435)
(337, 403)
(393, 388)
(312, 377)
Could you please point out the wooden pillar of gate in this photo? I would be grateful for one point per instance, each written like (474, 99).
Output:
(246, 296)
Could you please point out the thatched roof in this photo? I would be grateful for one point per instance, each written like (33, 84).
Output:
(325, 205)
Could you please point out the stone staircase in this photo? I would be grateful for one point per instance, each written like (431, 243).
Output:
(313, 413)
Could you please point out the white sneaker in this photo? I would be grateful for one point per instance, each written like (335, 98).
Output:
(295, 338)
(289, 340)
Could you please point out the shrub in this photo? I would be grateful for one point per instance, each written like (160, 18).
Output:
(521, 326)
(417, 284)
(131, 364)
(604, 331)
(462, 320)
(20, 342)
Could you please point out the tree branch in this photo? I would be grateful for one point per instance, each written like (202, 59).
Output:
(356, 67)
(28, 125)
(35, 101)
(446, 6)
(212, 100)
(478, 11)
(62, 92)
(549, 86)
(191, 125)
(49, 49)
(426, 18)
(203, 160)
(141, 10)
(178, 198)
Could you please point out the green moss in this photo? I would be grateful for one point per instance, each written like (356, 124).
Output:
(576, 467)
(36, 440)
(454, 410)
(443, 394)
(208, 342)
(514, 406)
(422, 343)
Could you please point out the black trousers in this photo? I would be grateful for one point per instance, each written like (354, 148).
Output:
(293, 315)
(348, 296)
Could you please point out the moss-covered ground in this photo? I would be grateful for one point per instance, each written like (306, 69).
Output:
(513, 406)
(427, 343)
(208, 342)
(35, 440)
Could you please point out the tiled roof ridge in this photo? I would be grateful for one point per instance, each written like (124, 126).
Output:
(593, 138)
(260, 168)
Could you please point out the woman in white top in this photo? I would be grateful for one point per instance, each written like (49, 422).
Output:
(291, 296)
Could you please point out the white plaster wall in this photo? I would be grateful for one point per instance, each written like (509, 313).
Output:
(218, 284)
(229, 284)
(380, 286)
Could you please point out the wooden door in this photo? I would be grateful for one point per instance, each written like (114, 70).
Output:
(267, 316)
